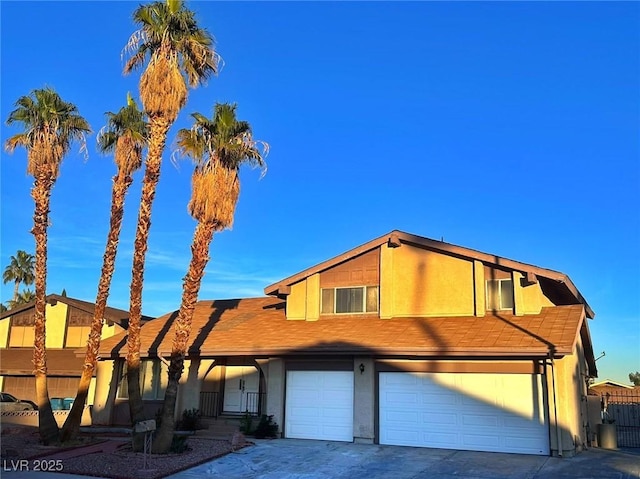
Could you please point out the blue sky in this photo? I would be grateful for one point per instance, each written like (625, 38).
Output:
(506, 127)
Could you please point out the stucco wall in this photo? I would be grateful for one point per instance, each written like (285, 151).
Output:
(418, 282)
(571, 403)
(56, 324)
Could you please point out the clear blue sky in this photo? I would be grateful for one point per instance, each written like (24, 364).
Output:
(508, 127)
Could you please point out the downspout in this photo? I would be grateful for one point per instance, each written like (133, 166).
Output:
(555, 406)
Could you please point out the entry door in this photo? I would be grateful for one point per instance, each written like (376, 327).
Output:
(241, 385)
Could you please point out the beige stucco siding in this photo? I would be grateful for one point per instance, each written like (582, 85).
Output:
(297, 301)
(56, 324)
(529, 298)
(425, 283)
(570, 402)
(4, 332)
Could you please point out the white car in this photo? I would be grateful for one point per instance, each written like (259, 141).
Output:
(11, 403)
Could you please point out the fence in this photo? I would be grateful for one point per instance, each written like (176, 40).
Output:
(623, 409)
(209, 406)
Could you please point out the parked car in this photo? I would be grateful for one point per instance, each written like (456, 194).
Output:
(9, 403)
(61, 404)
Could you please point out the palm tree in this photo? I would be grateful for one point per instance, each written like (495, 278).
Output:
(23, 298)
(218, 146)
(51, 125)
(177, 53)
(20, 270)
(126, 136)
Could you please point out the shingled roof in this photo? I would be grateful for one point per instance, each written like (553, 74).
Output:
(258, 327)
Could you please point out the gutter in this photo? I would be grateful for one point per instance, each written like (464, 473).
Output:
(555, 406)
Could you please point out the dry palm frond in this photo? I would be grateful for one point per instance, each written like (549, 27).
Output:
(128, 155)
(162, 88)
(215, 192)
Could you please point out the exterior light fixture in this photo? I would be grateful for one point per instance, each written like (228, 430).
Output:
(361, 368)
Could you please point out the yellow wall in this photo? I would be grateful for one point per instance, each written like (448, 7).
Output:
(528, 299)
(570, 402)
(56, 324)
(424, 283)
(297, 301)
(4, 332)
(304, 300)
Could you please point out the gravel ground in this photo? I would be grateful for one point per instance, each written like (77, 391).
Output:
(23, 443)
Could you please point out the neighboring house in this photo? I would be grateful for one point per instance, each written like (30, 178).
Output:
(68, 322)
(612, 387)
(402, 340)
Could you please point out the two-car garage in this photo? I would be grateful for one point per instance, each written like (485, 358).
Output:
(470, 411)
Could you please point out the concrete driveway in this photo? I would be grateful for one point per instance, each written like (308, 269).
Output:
(305, 459)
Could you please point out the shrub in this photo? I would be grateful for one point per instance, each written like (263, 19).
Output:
(190, 420)
(266, 427)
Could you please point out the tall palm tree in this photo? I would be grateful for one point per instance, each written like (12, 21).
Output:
(20, 270)
(218, 147)
(51, 125)
(125, 135)
(177, 53)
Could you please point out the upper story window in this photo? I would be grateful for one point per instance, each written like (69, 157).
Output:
(77, 336)
(499, 294)
(360, 299)
(21, 337)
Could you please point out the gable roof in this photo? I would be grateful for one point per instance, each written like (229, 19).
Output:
(258, 327)
(111, 315)
(395, 238)
(611, 383)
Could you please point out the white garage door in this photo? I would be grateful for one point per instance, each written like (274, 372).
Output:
(476, 412)
(319, 405)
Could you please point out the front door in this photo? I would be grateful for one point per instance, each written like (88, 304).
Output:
(241, 387)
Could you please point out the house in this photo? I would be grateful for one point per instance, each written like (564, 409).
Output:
(68, 322)
(612, 387)
(403, 340)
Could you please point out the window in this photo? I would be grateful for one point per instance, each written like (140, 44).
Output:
(499, 294)
(77, 336)
(153, 380)
(362, 299)
(21, 337)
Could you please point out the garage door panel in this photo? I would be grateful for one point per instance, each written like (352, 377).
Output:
(319, 405)
(473, 411)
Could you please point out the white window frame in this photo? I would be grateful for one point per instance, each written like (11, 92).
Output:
(364, 300)
(499, 293)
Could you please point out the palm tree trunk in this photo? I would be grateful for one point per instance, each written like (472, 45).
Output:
(191, 287)
(158, 128)
(71, 426)
(41, 193)
(16, 290)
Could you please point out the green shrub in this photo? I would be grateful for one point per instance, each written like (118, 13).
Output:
(179, 444)
(266, 427)
(190, 420)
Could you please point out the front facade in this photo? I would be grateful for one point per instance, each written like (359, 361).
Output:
(68, 322)
(401, 341)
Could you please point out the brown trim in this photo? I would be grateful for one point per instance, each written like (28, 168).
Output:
(419, 366)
